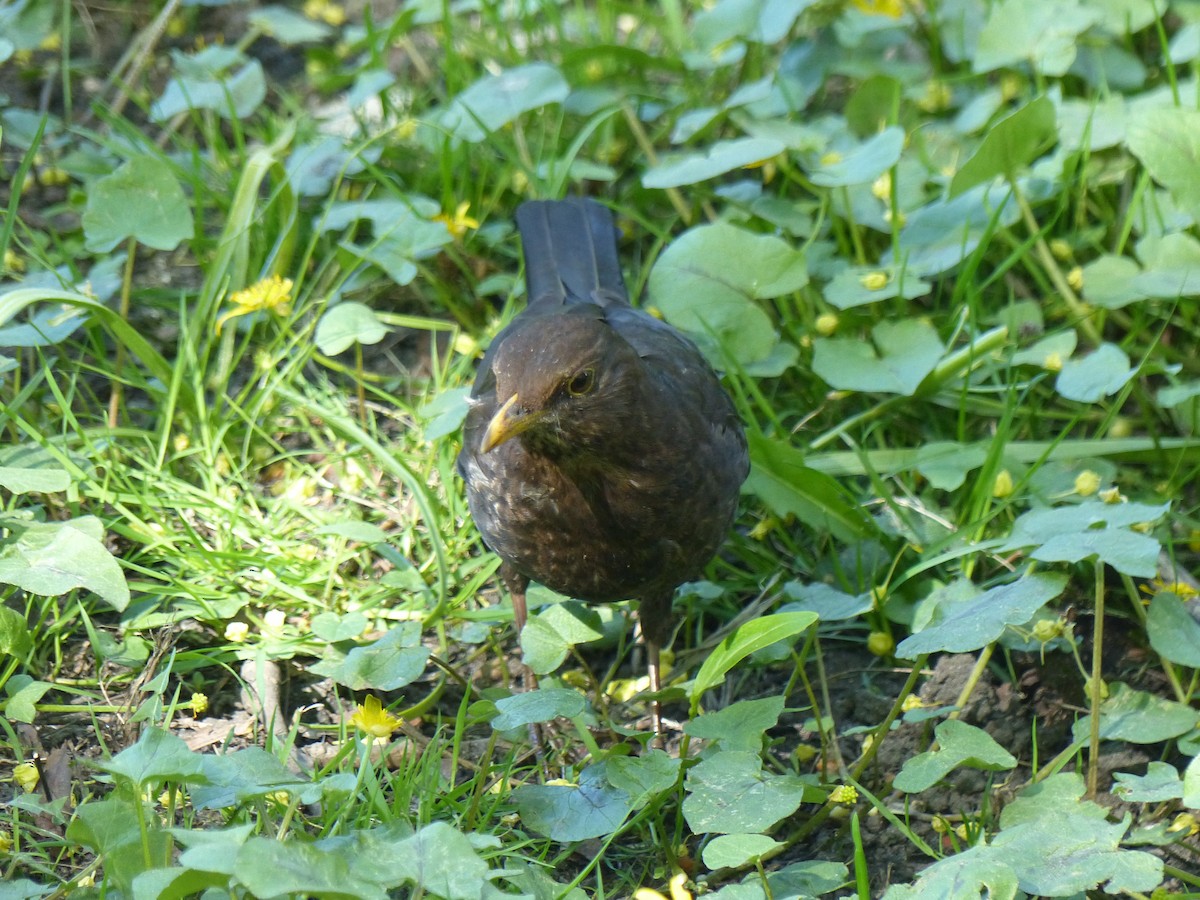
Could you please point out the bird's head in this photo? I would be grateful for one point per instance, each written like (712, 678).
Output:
(563, 380)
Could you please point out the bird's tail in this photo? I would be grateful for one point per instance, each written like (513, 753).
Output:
(570, 251)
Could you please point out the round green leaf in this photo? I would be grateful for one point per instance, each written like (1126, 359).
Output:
(679, 169)
(347, 324)
(730, 850)
(141, 200)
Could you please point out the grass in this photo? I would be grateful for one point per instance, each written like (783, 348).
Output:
(947, 272)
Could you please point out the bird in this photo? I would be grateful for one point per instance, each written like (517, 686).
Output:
(601, 456)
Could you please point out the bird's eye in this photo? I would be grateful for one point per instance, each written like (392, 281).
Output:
(582, 382)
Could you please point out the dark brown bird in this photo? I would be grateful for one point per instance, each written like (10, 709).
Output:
(601, 456)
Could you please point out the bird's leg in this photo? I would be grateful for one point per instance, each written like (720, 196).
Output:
(655, 673)
(517, 585)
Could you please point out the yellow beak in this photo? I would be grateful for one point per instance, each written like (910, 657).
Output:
(509, 421)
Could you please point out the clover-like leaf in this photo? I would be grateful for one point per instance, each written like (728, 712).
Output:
(541, 705)
(347, 324)
(495, 100)
(678, 169)
(959, 744)
(1174, 633)
(904, 353)
(729, 793)
(1091, 378)
(861, 164)
(1011, 144)
(140, 200)
(574, 812)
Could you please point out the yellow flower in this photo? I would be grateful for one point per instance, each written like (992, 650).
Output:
(1061, 249)
(1046, 630)
(53, 176)
(26, 774)
(940, 825)
(1087, 483)
(5, 842)
(880, 643)
(911, 702)
(874, 281)
(324, 11)
(893, 9)
(460, 222)
(845, 794)
(1075, 278)
(372, 718)
(406, 128)
(1185, 822)
(937, 97)
(763, 527)
(1003, 485)
(882, 186)
(1010, 86)
(272, 294)
(826, 324)
(274, 619)
(12, 262)
(1112, 495)
(675, 886)
(236, 632)
(199, 703)
(1053, 362)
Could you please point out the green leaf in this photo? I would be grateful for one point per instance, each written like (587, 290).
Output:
(1112, 282)
(975, 874)
(1191, 784)
(959, 744)
(234, 96)
(679, 169)
(347, 324)
(848, 288)
(441, 862)
(51, 558)
(904, 353)
(643, 777)
(286, 26)
(34, 481)
(1167, 141)
(1011, 144)
(732, 850)
(1173, 633)
(1160, 783)
(1092, 528)
(739, 726)
(707, 281)
(541, 705)
(396, 659)
(751, 636)
(779, 477)
(946, 463)
(1138, 717)
(729, 793)
(141, 200)
(23, 693)
(861, 164)
(495, 100)
(270, 868)
(830, 604)
(157, 756)
(550, 635)
(565, 812)
(247, 774)
(15, 637)
(333, 628)
(1044, 33)
(1060, 845)
(1091, 378)
(975, 623)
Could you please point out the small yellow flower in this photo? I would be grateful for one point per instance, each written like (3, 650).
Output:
(940, 825)
(845, 794)
(13, 262)
(1087, 483)
(899, 219)
(763, 527)
(677, 887)
(26, 774)
(406, 128)
(1186, 822)
(1075, 278)
(177, 27)
(6, 842)
(963, 832)
(460, 223)
(236, 632)
(274, 619)
(51, 42)
(199, 703)
(893, 9)
(1142, 527)
(1112, 495)
(1121, 427)
(53, 176)
(804, 753)
(1003, 485)
(1194, 540)
(373, 719)
(324, 11)
(1046, 630)
(1010, 86)
(911, 702)
(937, 97)
(826, 324)
(880, 643)
(274, 294)
(875, 281)
(1061, 249)
(882, 187)
(282, 798)
(1053, 362)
